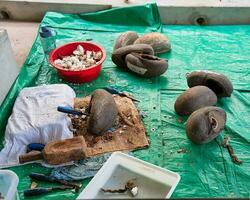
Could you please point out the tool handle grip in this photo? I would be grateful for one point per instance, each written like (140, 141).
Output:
(36, 191)
(35, 146)
(112, 90)
(31, 156)
(41, 177)
(69, 110)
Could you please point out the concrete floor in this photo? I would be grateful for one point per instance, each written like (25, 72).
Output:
(22, 36)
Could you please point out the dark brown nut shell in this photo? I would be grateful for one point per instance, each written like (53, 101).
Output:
(126, 38)
(118, 56)
(103, 112)
(205, 124)
(158, 41)
(146, 65)
(193, 99)
(219, 83)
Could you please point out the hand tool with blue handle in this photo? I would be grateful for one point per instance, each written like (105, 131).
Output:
(35, 147)
(40, 191)
(69, 110)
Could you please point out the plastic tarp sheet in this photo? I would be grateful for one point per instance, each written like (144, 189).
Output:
(206, 170)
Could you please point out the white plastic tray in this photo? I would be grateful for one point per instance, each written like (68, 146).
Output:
(152, 181)
(8, 184)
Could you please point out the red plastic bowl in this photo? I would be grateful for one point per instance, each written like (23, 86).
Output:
(80, 76)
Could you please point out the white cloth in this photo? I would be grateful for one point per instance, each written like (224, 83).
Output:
(35, 119)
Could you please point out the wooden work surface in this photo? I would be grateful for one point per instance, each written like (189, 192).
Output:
(127, 134)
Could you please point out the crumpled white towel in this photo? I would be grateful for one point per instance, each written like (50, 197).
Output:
(35, 119)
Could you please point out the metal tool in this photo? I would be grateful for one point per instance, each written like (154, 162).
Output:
(46, 178)
(124, 94)
(40, 191)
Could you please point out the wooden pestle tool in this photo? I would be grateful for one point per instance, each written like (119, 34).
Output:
(59, 151)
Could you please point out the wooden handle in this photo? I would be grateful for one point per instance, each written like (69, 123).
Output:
(31, 156)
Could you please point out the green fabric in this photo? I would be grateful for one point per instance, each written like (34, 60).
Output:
(205, 170)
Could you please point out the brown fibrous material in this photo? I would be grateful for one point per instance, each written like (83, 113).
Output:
(128, 187)
(225, 144)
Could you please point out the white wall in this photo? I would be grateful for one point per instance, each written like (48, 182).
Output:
(8, 68)
(171, 11)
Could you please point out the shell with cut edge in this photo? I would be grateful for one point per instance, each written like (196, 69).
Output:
(159, 42)
(205, 124)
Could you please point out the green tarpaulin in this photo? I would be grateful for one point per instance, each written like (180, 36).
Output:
(205, 170)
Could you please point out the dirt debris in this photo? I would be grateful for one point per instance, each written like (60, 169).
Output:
(182, 150)
(128, 132)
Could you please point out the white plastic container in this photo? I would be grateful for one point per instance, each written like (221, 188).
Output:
(8, 185)
(8, 67)
(152, 181)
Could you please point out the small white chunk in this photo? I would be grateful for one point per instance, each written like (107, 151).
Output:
(98, 55)
(91, 62)
(68, 63)
(80, 50)
(64, 65)
(76, 53)
(89, 54)
(74, 59)
(82, 58)
(58, 62)
(134, 191)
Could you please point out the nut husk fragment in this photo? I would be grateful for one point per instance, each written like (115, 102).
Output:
(158, 41)
(205, 124)
(126, 38)
(146, 65)
(118, 56)
(219, 83)
(234, 157)
(103, 112)
(193, 99)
